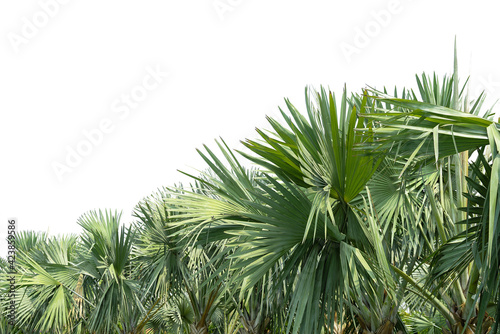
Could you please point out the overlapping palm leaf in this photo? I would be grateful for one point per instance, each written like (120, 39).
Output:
(425, 134)
(46, 282)
(108, 283)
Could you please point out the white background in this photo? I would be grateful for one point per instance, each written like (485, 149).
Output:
(65, 66)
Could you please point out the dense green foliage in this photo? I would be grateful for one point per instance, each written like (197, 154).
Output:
(368, 213)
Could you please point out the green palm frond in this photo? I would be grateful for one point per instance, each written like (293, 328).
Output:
(317, 151)
(108, 264)
(46, 282)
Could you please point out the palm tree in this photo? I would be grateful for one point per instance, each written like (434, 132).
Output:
(379, 219)
(171, 267)
(115, 300)
(46, 283)
(369, 214)
(435, 141)
(304, 220)
(465, 254)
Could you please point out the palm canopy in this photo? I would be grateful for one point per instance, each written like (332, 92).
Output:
(336, 168)
(424, 133)
(369, 213)
(315, 230)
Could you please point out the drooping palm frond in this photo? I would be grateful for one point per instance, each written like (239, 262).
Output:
(431, 131)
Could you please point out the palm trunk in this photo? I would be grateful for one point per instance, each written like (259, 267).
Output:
(387, 327)
(199, 328)
(253, 327)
